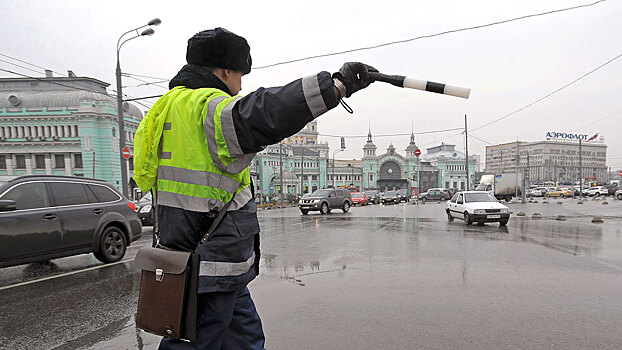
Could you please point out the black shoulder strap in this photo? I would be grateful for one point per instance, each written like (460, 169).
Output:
(221, 213)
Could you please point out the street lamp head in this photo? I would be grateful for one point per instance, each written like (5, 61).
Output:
(154, 22)
(147, 31)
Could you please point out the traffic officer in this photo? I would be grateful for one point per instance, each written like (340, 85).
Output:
(195, 146)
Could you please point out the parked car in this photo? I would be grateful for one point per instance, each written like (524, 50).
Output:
(561, 192)
(434, 194)
(325, 200)
(596, 191)
(144, 209)
(477, 206)
(389, 197)
(618, 194)
(45, 217)
(359, 198)
(539, 192)
(403, 195)
(612, 188)
(374, 197)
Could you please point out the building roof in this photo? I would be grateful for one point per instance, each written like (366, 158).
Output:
(446, 150)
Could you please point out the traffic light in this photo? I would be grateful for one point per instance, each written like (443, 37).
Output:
(343, 142)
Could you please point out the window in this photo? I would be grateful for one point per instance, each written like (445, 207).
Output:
(77, 161)
(20, 161)
(39, 161)
(28, 196)
(66, 193)
(313, 177)
(59, 161)
(131, 163)
(2, 161)
(104, 193)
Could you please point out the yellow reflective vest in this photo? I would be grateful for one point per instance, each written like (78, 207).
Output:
(186, 145)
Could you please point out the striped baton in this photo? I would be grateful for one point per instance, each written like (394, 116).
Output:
(402, 81)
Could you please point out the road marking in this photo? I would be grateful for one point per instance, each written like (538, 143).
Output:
(62, 275)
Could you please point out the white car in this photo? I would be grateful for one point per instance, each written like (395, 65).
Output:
(596, 191)
(477, 206)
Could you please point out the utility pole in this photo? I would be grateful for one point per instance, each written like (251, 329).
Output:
(517, 159)
(466, 148)
(580, 170)
(302, 172)
(281, 166)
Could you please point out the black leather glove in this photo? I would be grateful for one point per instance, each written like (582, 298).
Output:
(355, 76)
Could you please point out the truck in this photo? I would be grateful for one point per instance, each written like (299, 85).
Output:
(504, 186)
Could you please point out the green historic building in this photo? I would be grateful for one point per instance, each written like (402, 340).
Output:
(308, 167)
(62, 126)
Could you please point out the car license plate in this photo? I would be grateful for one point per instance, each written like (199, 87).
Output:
(494, 216)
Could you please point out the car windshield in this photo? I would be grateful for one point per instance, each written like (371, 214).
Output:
(370, 193)
(390, 193)
(358, 195)
(479, 197)
(321, 193)
(402, 191)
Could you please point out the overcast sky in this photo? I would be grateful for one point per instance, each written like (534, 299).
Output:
(507, 66)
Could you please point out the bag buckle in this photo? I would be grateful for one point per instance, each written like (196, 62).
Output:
(159, 275)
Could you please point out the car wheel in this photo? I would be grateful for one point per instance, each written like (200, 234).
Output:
(561, 195)
(324, 209)
(346, 207)
(423, 200)
(304, 212)
(449, 217)
(467, 218)
(597, 194)
(112, 245)
(503, 222)
(620, 196)
(442, 199)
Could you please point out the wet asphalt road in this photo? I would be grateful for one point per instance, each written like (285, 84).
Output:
(378, 277)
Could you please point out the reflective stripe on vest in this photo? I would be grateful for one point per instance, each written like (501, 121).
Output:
(174, 199)
(221, 269)
(222, 140)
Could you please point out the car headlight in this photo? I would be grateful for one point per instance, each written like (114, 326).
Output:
(146, 208)
(505, 210)
(479, 211)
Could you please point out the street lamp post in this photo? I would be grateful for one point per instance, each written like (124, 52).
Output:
(120, 114)
(335, 151)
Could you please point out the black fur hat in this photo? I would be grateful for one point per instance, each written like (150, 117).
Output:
(219, 48)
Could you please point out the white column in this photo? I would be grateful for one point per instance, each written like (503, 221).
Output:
(67, 131)
(48, 164)
(9, 164)
(2, 132)
(20, 132)
(68, 165)
(46, 131)
(40, 131)
(76, 133)
(28, 164)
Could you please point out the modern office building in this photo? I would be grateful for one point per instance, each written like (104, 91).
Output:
(556, 159)
(62, 126)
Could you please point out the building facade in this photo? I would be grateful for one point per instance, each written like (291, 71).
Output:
(554, 160)
(307, 167)
(62, 126)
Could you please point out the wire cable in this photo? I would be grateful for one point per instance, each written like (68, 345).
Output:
(548, 95)
(431, 35)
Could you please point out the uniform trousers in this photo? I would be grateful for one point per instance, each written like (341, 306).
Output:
(225, 320)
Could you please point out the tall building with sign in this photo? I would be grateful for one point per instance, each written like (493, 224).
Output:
(556, 159)
(62, 126)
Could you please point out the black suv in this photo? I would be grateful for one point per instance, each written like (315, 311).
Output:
(403, 195)
(326, 199)
(389, 197)
(45, 217)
